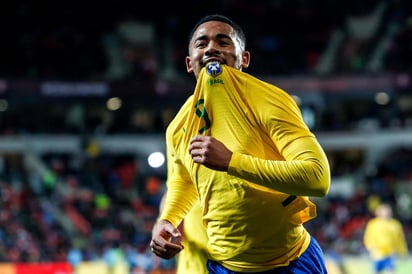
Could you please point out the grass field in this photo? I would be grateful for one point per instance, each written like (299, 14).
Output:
(361, 265)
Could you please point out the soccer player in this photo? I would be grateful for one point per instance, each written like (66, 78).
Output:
(239, 145)
(384, 239)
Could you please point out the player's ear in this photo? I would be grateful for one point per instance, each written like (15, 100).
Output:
(189, 67)
(245, 59)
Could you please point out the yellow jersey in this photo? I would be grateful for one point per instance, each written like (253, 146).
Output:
(384, 238)
(254, 212)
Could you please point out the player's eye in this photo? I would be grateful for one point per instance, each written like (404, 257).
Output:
(200, 44)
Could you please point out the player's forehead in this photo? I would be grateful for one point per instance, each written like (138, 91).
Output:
(213, 29)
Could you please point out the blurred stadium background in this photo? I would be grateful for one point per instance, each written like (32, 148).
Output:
(88, 87)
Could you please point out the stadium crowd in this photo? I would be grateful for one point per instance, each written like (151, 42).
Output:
(121, 40)
(92, 207)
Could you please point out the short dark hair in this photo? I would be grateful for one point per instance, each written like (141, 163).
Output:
(224, 19)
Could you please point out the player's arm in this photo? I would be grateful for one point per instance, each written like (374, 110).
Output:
(401, 244)
(181, 192)
(368, 237)
(303, 171)
(166, 238)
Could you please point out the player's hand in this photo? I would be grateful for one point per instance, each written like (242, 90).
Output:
(210, 152)
(166, 240)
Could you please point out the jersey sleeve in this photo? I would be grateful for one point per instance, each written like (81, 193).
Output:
(303, 169)
(401, 244)
(181, 192)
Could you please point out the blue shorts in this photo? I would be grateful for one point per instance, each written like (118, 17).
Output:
(312, 261)
(387, 263)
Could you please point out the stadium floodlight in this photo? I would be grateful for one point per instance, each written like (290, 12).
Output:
(156, 159)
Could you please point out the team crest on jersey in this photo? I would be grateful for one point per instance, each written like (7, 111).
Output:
(214, 69)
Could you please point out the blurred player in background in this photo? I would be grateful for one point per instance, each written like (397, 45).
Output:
(384, 239)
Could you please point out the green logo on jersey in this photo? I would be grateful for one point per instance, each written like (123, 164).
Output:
(202, 114)
(214, 81)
